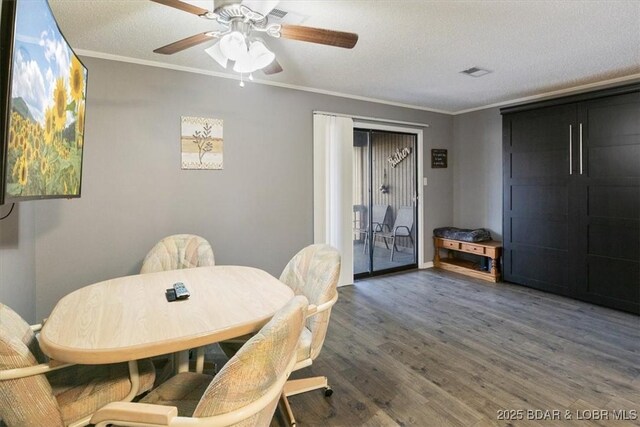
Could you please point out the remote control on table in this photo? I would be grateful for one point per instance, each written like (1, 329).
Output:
(181, 290)
(170, 294)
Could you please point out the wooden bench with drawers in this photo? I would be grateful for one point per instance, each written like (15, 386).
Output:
(490, 249)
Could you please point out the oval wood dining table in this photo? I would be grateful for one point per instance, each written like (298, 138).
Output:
(129, 318)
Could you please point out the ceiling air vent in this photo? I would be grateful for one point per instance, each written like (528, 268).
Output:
(278, 13)
(280, 16)
(475, 72)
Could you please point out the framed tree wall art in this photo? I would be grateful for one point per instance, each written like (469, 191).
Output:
(201, 143)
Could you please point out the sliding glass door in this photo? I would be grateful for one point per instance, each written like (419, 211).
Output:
(361, 201)
(384, 201)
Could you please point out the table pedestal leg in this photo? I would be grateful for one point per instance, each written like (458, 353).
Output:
(135, 380)
(183, 361)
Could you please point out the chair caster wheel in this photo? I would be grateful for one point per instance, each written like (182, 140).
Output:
(328, 391)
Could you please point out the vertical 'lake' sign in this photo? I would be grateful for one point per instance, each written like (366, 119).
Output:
(438, 158)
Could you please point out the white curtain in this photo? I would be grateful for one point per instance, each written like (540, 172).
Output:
(333, 187)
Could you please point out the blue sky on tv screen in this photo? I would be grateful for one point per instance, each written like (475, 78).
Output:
(41, 55)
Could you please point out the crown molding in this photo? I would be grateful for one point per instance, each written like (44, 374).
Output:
(108, 56)
(567, 91)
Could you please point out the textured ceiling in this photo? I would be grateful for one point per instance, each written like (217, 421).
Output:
(409, 52)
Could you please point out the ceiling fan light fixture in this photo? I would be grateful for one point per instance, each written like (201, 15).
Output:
(239, 21)
(244, 64)
(256, 58)
(261, 55)
(274, 30)
(216, 53)
(233, 45)
(209, 15)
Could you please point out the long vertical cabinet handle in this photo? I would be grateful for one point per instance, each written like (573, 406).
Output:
(580, 148)
(570, 150)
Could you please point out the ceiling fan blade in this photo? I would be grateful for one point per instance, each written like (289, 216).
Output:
(263, 7)
(319, 35)
(273, 68)
(185, 43)
(183, 6)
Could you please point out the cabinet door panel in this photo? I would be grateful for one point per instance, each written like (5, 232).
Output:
(608, 239)
(535, 206)
(539, 130)
(613, 201)
(540, 164)
(614, 160)
(615, 116)
(607, 228)
(539, 268)
(608, 280)
(540, 232)
(539, 199)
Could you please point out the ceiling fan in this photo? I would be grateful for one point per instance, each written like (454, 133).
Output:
(239, 42)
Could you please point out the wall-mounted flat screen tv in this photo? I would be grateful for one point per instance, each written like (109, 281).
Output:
(44, 88)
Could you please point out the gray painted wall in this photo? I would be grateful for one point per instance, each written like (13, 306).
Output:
(257, 211)
(477, 171)
(17, 260)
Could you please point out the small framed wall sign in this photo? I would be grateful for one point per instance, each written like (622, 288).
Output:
(438, 158)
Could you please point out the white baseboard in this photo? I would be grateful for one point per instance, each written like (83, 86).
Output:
(428, 264)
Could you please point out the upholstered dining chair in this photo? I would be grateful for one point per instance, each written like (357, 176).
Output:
(244, 393)
(173, 253)
(312, 272)
(178, 251)
(35, 391)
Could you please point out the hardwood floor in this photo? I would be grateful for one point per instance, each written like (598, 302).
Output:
(432, 348)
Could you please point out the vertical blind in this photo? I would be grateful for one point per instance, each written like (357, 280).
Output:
(333, 187)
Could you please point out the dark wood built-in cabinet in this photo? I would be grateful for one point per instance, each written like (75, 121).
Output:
(571, 205)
